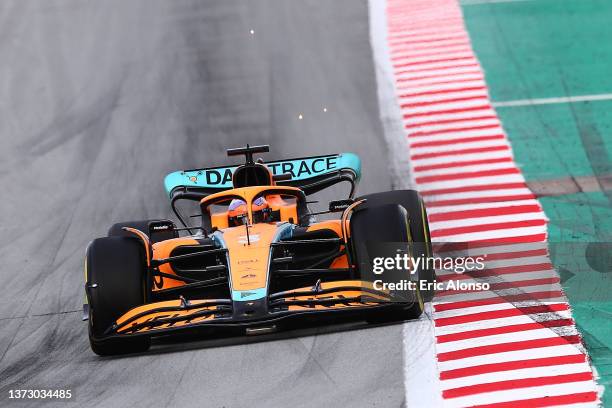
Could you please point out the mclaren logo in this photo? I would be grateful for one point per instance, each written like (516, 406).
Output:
(246, 294)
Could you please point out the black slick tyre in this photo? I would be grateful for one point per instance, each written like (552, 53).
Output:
(419, 227)
(376, 224)
(115, 273)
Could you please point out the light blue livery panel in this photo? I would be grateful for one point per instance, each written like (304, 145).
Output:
(300, 169)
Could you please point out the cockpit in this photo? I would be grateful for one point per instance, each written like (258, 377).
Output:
(267, 204)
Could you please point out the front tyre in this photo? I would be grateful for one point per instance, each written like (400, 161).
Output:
(115, 277)
(387, 223)
(419, 227)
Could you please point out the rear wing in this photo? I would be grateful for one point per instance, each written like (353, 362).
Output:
(311, 174)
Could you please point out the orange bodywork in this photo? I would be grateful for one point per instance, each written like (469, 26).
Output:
(153, 315)
(163, 250)
(336, 226)
(353, 293)
(248, 265)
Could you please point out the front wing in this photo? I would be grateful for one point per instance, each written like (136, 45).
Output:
(326, 301)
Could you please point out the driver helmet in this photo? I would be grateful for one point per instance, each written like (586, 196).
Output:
(236, 209)
(260, 210)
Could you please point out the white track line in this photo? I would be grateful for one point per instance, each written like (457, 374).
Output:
(470, 168)
(543, 333)
(492, 234)
(489, 294)
(550, 101)
(475, 206)
(527, 354)
(480, 309)
(534, 372)
(522, 393)
(478, 194)
(479, 2)
(500, 322)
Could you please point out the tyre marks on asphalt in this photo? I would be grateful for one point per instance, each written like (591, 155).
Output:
(515, 344)
(102, 100)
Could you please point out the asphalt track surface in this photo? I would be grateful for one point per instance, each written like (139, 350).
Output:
(98, 101)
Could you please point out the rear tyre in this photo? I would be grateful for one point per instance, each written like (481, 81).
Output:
(419, 227)
(115, 274)
(379, 224)
(156, 230)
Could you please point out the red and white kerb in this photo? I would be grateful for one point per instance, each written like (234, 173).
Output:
(515, 345)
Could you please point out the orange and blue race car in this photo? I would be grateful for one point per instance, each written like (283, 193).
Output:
(258, 260)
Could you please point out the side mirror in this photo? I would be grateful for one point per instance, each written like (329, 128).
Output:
(340, 205)
(162, 230)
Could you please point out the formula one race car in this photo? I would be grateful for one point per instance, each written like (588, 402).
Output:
(258, 261)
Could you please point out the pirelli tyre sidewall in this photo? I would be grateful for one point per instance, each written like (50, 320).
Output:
(378, 224)
(115, 284)
(419, 226)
